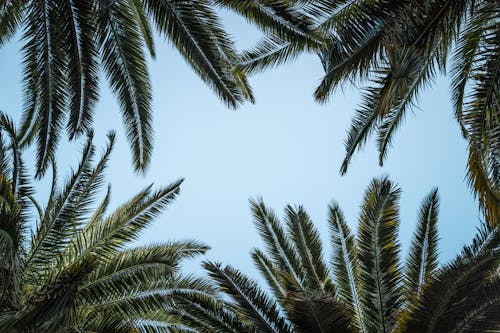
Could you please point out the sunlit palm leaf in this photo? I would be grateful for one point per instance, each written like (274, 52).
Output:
(423, 258)
(280, 247)
(345, 264)
(308, 244)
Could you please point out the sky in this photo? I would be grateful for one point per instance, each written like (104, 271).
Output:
(285, 148)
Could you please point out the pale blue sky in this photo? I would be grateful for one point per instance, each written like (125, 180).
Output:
(285, 148)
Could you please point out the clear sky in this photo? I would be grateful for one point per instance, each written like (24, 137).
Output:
(285, 148)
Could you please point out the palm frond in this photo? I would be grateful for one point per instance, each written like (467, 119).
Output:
(465, 54)
(347, 65)
(317, 313)
(423, 257)
(278, 245)
(487, 239)
(78, 23)
(124, 225)
(308, 244)
(65, 211)
(462, 298)
(366, 120)
(145, 26)
(44, 63)
(276, 18)
(345, 265)
(194, 34)
(262, 311)
(413, 74)
(378, 255)
(268, 53)
(210, 315)
(124, 62)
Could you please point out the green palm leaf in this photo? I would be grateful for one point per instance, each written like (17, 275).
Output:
(281, 249)
(260, 309)
(190, 31)
(11, 12)
(43, 53)
(75, 274)
(463, 298)
(345, 265)
(308, 245)
(373, 292)
(125, 65)
(378, 255)
(273, 276)
(423, 258)
(67, 42)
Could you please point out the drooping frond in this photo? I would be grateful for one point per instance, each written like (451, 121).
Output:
(481, 119)
(340, 65)
(192, 32)
(124, 62)
(77, 21)
(465, 55)
(365, 121)
(269, 52)
(45, 61)
(144, 24)
(413, 73)
(67, 42)
(276, 18)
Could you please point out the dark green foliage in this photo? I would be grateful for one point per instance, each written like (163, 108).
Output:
(378, 256)
(67, 43)
(366, 288)
(76, 270)
(399, 47)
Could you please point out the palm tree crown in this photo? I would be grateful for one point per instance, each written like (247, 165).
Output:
(76, 271)
(67, 43)
(399, 47)
(364, 287)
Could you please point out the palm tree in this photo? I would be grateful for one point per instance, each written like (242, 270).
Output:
(67, 43)
(399, 47)
(76, 271)
(364, 287)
